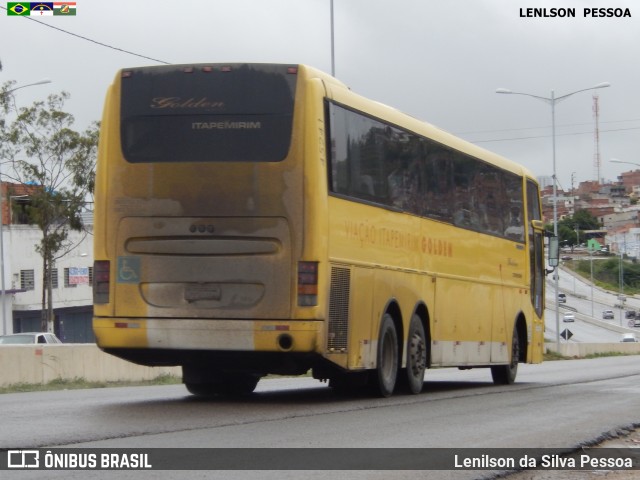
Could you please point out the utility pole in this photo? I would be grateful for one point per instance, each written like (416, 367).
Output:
(596, 138)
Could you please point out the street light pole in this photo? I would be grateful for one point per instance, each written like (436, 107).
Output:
(552, 100)
(333, 58)
(621, 297)
(591, 264)
(2, 269)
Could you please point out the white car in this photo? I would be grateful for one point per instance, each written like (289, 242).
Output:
(608, 315)
(568, 317)
(628, 337)
(29, 338)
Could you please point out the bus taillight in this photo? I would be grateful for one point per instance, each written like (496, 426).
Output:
(101, 281)
(307, 284)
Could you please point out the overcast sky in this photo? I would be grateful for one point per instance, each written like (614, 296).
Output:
(438, 60)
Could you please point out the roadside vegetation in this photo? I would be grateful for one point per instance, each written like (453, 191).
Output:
(550, 355)
(81, 383)
(606, 273)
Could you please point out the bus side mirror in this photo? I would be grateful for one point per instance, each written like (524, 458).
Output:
(554, 253)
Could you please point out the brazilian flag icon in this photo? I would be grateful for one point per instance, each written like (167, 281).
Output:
(18, 8)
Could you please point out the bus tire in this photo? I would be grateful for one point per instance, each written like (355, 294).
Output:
(386, 372)
(202, 389)
(236, 385)
(416, 356)
(506, 374)
(348, 382)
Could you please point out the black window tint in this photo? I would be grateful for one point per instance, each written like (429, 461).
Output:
(514, 215)
(465, 207)
(373, 161)
(492, 199)
(207, 115)
(533, 201)
(384, 164)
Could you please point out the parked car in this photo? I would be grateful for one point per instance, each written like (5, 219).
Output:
(608, 315)
(562, 298)
(29, 338)
(568, 317)
(628, 337)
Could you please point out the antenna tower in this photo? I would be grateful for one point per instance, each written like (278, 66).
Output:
(596, 138)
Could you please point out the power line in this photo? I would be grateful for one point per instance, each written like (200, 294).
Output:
(542, 127)
(92, 41)
(547, 136)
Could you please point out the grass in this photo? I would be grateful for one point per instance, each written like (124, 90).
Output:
(609, 354)
(81, 383)
(606, 273)
(550, 355)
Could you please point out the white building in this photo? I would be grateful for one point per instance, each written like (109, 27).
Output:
(626, 241)
(21, 304)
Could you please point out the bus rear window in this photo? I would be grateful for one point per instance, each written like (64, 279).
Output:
(213, 113)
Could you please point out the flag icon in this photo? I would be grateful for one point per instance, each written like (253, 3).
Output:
(64, 8)
(18, 8)
(42, 9)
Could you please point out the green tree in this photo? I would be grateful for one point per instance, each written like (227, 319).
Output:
(45, 152)
(585, 220)
(570, 228)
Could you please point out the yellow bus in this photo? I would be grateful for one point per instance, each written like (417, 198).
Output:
(256, 219)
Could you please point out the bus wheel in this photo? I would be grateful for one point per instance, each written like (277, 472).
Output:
(386, 371)
(202, 389)
(506, 374)
(233, 385)
(348, 382)
(416, 355)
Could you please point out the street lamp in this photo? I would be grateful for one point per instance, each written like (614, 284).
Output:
(552, 100)
(39, 82)
(615, 160)
(2, 279)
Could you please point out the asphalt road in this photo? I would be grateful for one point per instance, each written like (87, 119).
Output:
(587, 303)
(560, 404)
(556, 404)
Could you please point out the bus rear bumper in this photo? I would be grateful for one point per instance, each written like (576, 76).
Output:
(208, 335)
